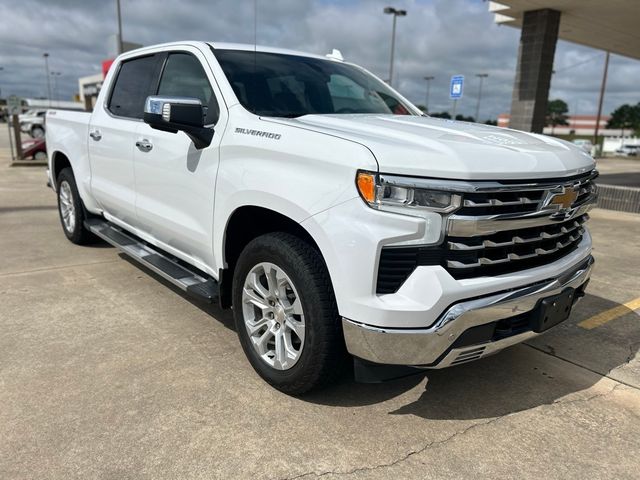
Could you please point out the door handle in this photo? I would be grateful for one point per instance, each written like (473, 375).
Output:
(144, 145)
(96, 135)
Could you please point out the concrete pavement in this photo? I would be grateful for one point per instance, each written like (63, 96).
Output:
(108, 372)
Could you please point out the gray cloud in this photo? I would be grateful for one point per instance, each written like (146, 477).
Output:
(438, 37)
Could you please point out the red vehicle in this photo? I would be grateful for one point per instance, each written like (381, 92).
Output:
(35, 148)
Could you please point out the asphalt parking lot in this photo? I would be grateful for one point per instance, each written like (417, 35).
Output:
(108, 372)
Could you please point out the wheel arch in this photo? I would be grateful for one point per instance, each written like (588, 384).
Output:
(246, 223)
(59, 161)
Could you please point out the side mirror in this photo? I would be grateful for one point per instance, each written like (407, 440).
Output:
(179, 114)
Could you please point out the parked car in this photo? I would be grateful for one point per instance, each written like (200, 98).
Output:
(283, 185)
(584, 144)
(628, 150)
(35, 149)
(34, 126)
(32, 113)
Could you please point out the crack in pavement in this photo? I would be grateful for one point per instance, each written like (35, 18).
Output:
(437, 443)
(584, 367)
(58, 267)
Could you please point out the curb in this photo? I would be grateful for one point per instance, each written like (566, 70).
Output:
(622, 199)
(28, 163)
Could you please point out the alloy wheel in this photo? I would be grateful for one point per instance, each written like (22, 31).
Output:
(273, 316)
(67, 207)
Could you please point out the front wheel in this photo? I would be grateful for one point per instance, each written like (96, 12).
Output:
(285, 313)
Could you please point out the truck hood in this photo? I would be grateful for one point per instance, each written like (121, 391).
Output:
(433, 147)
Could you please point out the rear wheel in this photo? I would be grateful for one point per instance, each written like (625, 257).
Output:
(70, 208)
(37, 132)
(285, 313)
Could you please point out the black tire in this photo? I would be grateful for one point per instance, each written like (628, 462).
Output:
(37, 132)
(78, 234)
(323, 347)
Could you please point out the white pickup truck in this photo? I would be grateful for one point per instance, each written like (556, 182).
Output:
(324, 208)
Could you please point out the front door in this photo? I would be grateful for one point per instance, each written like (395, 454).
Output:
(175, 182)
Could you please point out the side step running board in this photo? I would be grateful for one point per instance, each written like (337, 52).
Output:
(189, 280)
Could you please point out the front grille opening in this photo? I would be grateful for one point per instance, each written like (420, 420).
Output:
(501, 202)
(503, 252)
(540, 246)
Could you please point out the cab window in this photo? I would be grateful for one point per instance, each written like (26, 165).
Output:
(135, 82)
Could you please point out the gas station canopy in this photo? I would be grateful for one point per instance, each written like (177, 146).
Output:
(612, 25)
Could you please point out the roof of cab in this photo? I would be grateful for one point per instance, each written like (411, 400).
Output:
(228, 46)
(262, 48)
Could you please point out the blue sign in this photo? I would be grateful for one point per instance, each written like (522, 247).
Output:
(457, 84)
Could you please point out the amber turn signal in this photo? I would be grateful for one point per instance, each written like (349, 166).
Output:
(367, 186)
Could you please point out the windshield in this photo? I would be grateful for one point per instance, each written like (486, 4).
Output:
(278, 85)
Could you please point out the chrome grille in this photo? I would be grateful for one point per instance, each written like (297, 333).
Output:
(513, 246)
(501, 227)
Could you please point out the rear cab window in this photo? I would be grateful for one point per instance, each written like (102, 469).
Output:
(135, 81)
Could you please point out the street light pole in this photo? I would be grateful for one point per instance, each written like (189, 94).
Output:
(120, 47)
(481, 76)
(426, 105)
(396, 13)
(46, 67)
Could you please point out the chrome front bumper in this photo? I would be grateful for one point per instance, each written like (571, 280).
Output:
(432, 347)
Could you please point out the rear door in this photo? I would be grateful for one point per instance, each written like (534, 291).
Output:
(175, 182)
(112, 132)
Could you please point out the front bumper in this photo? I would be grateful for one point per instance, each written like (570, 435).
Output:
(438, 346)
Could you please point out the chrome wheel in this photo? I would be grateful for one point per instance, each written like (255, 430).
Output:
(273, 316)
(67, 207)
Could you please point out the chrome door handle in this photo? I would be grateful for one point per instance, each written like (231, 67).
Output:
(96, 135)
(144, 145)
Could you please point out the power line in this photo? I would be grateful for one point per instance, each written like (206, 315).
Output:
(568, 67)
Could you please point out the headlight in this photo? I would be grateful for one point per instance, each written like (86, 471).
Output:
(401, 195)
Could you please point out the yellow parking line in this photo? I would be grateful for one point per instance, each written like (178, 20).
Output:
(611, 314)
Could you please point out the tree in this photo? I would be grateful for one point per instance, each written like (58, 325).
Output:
(557, 113)
(625, 117)
(462, 118)
(491, 122)
(441, 115)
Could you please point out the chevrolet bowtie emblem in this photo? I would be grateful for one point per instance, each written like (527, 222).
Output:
(565, 199)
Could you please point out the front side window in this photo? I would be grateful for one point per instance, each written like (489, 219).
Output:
(135, 82)
(280, 85)
(183, 76)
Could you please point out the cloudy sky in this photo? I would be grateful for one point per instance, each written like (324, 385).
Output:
(438, 37)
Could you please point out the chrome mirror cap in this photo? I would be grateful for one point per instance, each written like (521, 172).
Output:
(161, 105)
(178, 114)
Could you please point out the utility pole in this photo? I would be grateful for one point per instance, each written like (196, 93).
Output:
(602, 89)
(426, 105)
(396, 13)
(46, 67)
(120, 47)
(481, 76)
